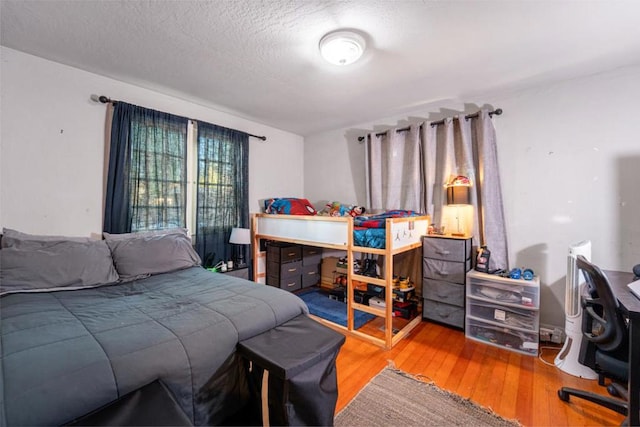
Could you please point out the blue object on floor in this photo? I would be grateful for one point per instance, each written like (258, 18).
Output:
(335, 311)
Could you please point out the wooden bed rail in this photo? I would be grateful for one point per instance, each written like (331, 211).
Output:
(401, 235)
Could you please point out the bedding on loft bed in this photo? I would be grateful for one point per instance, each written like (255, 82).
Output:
(65, 353)
(368, 230)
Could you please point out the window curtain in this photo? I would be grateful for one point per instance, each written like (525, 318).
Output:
(409, 170)
(393, 170)
(146, 178)
(223, 191)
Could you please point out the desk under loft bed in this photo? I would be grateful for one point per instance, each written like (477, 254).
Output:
(337, 233)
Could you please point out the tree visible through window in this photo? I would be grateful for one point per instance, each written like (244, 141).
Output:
(158, 175)
(222, 192)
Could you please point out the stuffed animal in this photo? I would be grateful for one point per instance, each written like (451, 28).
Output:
(339, 209)
(357, 210)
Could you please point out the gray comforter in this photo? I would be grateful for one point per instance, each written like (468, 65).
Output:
(64, 354)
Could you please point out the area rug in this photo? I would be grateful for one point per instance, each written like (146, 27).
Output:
(395, 398)
(335, 311)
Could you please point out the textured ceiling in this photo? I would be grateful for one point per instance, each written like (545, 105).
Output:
(260, 59)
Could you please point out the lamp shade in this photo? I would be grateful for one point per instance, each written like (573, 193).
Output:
(240, 236)
(458, 194)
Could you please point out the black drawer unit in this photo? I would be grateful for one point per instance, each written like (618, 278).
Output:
(310, 274)
(293, 267)
(445, 263)
(283, 252)
(311, 255)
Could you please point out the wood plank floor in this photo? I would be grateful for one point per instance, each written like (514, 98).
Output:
(515, 386)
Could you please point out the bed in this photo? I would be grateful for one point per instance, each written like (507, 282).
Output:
(402, 233)
(70, 345)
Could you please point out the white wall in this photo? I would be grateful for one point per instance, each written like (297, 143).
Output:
(570, 166)
(569, 155)
(52, 145)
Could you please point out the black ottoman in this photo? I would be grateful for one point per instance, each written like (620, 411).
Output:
(300, 358)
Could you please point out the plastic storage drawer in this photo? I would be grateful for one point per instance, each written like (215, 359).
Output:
(503, 315)
(512, 339)
(515, 293)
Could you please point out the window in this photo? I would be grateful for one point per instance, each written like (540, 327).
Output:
(222, 188)
(166, 171)
(158, 175)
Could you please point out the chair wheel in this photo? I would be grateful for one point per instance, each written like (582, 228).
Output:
(563, 395)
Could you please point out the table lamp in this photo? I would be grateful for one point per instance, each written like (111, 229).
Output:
(240, 236)
(459, 195)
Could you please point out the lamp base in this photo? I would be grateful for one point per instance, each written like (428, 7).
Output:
(240, 262)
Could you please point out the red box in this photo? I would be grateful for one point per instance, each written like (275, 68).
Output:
(406, 310)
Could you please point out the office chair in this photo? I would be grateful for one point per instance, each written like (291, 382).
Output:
(605, 341)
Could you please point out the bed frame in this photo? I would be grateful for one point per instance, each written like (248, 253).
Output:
(402, 234)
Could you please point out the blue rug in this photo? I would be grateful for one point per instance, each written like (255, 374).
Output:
(329, 309)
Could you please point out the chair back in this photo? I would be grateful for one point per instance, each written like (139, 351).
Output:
(603, 310)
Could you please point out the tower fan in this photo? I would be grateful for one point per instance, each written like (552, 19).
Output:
(567, 360)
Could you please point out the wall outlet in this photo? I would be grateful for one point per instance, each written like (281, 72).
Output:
(551, 334)
(546, 334)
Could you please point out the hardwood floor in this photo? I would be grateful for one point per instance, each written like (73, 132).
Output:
(515, 386)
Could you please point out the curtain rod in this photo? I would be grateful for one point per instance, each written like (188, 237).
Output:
(497, 112)
(107, 100)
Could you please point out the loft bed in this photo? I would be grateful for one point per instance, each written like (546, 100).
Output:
(400, 235)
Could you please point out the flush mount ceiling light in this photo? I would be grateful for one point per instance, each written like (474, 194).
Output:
(342, 47)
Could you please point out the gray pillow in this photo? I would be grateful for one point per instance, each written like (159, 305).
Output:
(33, 265)
(139, 234)
(12, 237)
(142, 254)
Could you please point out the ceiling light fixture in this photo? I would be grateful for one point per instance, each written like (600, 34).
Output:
(342, 47)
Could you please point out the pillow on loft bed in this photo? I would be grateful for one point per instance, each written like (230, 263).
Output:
(142, 254)
(289, 206)
(54, 263)
(370, 231)
(379, 220)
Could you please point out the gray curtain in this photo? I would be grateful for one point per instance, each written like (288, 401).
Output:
(394, 171)
(491, 220)
(410, 169)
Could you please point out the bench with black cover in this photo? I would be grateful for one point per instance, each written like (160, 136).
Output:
(299, 360)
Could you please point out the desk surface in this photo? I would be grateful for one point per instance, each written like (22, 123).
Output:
(619, 281)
